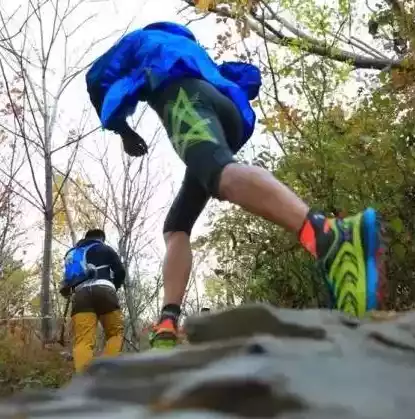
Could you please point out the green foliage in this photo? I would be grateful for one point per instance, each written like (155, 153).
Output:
(338, 157)
(258, 262)
(57, 301)
(16, 288)
(27, 365)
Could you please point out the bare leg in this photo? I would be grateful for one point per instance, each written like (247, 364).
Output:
(254, 189)
(176, 267)
(257, 191)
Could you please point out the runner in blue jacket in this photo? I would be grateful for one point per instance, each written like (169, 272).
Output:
(206, 112)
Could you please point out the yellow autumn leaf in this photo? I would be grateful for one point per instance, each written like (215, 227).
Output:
(204, 4)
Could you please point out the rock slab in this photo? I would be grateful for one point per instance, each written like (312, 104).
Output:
(253, 361)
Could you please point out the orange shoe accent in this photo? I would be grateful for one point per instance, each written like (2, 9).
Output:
(167, 325)
(308, 238)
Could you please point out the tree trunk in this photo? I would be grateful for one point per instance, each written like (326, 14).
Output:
(230, 298)
(132, 313)
(47, 250)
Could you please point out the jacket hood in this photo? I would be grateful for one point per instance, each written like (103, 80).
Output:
(170, 27)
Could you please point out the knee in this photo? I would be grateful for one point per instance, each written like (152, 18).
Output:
(226, 182)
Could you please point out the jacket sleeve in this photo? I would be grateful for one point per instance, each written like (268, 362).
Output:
(116, 266)
(107, 74)
(121, 101)
(246, 76)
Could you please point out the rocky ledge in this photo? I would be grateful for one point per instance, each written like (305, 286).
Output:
(253, 361)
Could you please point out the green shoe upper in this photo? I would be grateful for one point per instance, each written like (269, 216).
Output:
(343, 264)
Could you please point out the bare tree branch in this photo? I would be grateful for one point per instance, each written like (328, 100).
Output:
(309, 44)
(30, 58)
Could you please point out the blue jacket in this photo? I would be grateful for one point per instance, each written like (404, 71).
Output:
(160, 52)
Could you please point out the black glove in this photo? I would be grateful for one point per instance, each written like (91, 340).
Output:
(65, 291)
(133, 144)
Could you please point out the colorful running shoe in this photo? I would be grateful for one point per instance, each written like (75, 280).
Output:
(347, 251)
(164, 335)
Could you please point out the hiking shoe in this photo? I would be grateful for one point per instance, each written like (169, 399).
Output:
(164, 335)
(348, 253)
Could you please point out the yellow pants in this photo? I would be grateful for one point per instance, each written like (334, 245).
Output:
(85, 331)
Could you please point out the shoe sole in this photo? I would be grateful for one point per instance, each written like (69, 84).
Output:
(164, 345)
(372, 247)
(164, 339)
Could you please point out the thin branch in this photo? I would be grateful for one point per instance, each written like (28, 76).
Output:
(8, 38)
(84, 194)
(75, 141)
(310, 45)
(71, 162)
(24, 137)
(31, 201)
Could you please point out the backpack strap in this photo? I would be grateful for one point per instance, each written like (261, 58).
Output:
(93, 267)
(88, 247)
(70, 250)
